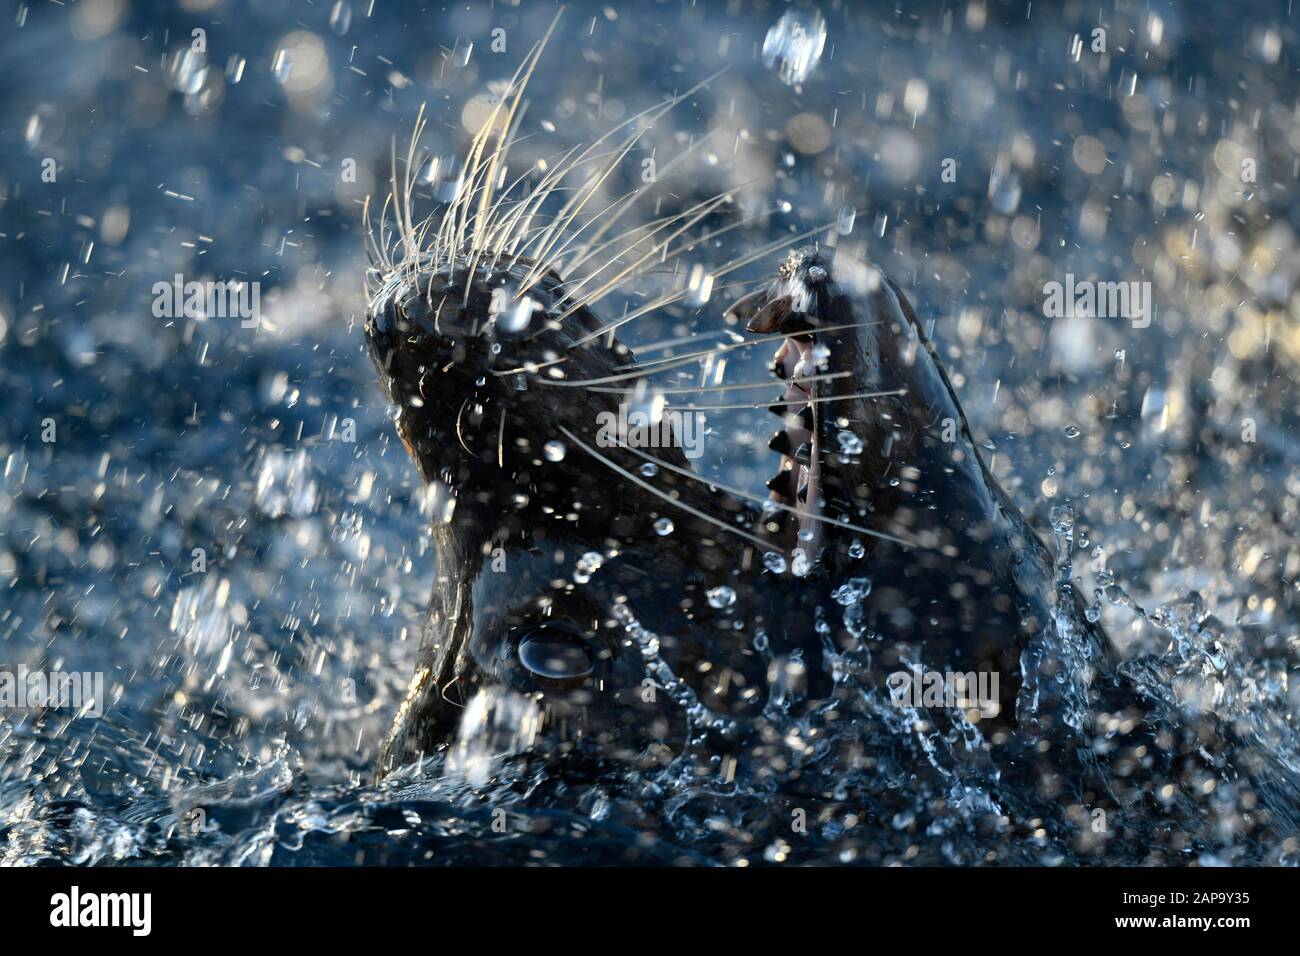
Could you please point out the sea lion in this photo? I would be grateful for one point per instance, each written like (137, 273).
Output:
(595, 598)
(555, 574)
(642, 608)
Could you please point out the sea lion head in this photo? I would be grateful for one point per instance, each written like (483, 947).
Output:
(606, 584)
(639, 607)
(485, 338)
(582, 568)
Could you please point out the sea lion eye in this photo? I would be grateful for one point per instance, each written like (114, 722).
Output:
(554, 653)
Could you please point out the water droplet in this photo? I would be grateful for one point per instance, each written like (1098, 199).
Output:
(35, 125)
(1072, 431)
(189, 70)
(554, 450)
(857, 549)
(341, 17)
(1004, 190)
(855, 618)
(553, 655)
(587, 565)
(495, 723)
(1062, 519)
(444, 175)
(774, 562)
(700, 285)
(721, 597)
(799, 563)
(649, 403)
(649, 469)
(448, 188)
(511, 314)
(282, 66)
(850, 444)
(664, 526)
(794, 45)
(844, 222)
(285, 485)
(851, 591)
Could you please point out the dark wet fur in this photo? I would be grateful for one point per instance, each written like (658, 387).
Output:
(966, 592)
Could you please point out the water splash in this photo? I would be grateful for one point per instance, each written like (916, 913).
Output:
(794, 45)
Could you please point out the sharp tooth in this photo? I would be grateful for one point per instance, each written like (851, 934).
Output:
(780, 443)
(783, 484)
(803, 493)
(806, 418)
(804, 455)
(780, 409)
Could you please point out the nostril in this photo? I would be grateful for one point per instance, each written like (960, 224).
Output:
(554, 655)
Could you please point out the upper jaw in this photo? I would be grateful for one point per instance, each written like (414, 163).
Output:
(789, 303)
(788, 306)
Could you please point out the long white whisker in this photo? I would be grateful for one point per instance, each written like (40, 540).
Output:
(563, 170)
(460, 207)
(706, 207)
(691, 389)
(593, 246)
(689, 509)
(766, 250)
(768, 502)
(575, 205)
(632, 316)
(729, 347)
(819, 400)
(669, 362)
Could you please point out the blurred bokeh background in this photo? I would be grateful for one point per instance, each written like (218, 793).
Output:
(216, 139)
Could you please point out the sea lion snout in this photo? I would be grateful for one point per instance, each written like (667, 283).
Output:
(788, 304)
(430, 317)
(468, 354)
